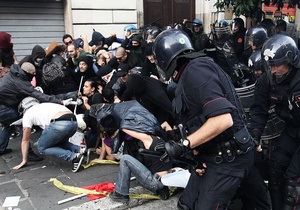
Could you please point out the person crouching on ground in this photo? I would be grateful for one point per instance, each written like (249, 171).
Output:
(136, 121)
(58, 124)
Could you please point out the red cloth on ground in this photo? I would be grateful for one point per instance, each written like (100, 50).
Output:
(104, 187)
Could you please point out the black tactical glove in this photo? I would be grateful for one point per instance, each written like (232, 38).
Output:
(175, 149)
(256, 140)
(256, 135)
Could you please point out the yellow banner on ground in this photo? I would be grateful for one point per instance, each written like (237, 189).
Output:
(106, 162)
(72, 189)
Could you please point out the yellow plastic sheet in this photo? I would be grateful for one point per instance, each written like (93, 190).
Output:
(78, 190)
(144, 196)
(71, 189)
(94, 162)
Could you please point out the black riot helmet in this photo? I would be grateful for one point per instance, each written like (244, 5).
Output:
(238, 24)
(270, 25)
(169, 44)
(255, 61)
(279, 50)
(257, 35)
(281, 25)
(255, 64)
(152, 33)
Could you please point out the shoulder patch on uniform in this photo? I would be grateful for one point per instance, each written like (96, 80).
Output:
(240, 40)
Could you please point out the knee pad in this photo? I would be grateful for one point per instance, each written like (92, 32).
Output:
(292, 193)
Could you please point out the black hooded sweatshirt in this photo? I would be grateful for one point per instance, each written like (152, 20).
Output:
(37, 51)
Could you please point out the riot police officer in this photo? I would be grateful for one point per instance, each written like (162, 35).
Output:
(208, 107)
(200, 39)
(255, 37)
(254, 40)
(280, 85)
(255, 64)
(238, 36)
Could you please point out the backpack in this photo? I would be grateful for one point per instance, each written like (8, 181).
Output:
(52, 73)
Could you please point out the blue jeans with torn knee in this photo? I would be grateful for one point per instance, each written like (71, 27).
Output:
(7, 116)
(131, 166)
(54, 140)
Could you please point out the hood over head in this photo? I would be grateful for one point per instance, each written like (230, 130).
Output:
(38, 51)
(96, 37)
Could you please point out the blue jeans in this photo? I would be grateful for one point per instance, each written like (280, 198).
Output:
(54, 140)
(131, 166)
(7, 116)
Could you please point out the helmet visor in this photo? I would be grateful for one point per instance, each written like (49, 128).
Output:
(272, 77)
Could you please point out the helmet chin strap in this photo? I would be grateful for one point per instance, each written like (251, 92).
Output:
(284, 77)
(177, 73)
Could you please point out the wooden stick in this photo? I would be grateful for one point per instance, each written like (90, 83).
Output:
(75, 109)
(70, 199)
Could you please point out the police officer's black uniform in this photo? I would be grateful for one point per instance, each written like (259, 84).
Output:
(205, 91)
(284, 92)
(238, 38)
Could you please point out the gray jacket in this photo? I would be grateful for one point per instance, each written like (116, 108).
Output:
(15, 86)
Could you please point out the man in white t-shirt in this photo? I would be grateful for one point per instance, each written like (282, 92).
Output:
(58, 124)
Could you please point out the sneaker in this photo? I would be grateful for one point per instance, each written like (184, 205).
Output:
(117, 197)
(34, 157)
(33, 130)
(14, 135)
(77, 161)
(87, 155)
(163, 193)
(6, 151)
(35, 144)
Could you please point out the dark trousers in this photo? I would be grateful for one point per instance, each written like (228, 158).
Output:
(7, 116)
(284, 164)
(216, 188)
(254, 192)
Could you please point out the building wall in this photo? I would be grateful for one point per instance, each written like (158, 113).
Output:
(206, 11)
(106, 17)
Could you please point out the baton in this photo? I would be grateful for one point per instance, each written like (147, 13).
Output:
(75, 109)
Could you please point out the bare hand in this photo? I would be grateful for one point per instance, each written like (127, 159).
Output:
(85, 99)
(201, 171)
(258, 148)
(23, 163)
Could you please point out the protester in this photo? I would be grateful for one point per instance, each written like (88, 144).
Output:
(7, 55)
(15, 86)
(133, 119)
(58, 124)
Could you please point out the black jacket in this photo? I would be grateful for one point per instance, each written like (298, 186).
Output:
(285, 97)
(37, 51)
(150, 93)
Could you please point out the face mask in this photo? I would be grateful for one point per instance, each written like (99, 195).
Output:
(38, 62)
(29, 76)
